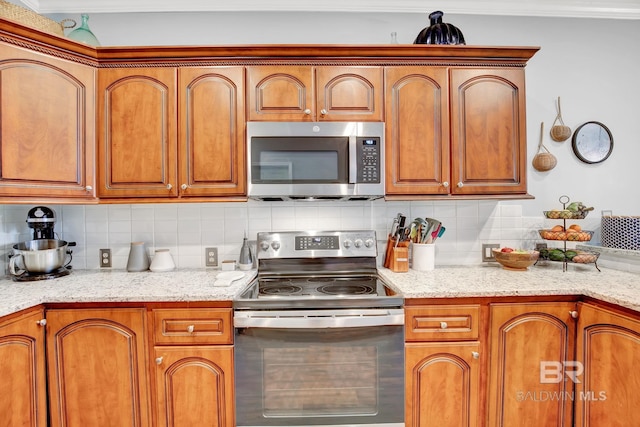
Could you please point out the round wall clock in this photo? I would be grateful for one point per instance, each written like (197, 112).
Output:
(592, 142)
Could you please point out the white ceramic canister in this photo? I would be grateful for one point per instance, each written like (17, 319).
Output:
(162, 261)
(423, 256)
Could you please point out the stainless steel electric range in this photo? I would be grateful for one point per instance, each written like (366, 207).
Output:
(319, 336)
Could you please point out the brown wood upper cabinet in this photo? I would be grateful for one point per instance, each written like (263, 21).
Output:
(320, 93)
(46, 126)
(172, 133)
(455, 131)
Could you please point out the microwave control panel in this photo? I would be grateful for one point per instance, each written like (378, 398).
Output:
(368, 151)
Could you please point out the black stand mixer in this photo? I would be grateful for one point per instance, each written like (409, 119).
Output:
(44, 257)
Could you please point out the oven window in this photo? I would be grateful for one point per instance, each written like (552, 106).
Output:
(299, 160)
(320, 381)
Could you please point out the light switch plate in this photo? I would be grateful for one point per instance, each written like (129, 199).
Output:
(487, 251)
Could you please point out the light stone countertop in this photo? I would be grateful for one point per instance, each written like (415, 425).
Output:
(488, 280)
(119, 286)
(546, 278)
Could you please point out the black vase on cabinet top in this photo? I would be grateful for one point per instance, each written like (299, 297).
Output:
(439, 32)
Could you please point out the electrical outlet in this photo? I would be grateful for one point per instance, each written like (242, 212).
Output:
(211, 257)
(105, 258)
(487, 251)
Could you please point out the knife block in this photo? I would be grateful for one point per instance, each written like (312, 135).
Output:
(400, 258)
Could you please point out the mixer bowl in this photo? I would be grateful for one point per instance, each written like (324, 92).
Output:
(39, 256)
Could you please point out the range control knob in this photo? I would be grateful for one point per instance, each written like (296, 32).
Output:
(347, 243)
(368, 243)
(275, 245)
(358, 243)
(264, 245)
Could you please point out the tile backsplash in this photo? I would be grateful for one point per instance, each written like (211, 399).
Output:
(188, 228)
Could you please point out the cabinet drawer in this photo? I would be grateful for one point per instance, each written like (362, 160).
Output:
(193, 326)
(442, 323)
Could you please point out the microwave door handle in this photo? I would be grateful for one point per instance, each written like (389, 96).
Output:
(353, 160)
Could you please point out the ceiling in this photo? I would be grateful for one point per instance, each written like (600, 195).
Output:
(615, 9)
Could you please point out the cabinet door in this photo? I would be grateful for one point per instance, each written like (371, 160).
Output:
(47, 126)
(280, 93)
(525, 339)
(137, 137)
(23, 390)
(488, 131)
(417, 131)
(608, 349)
(442, 384)
(349, 94)
(195, 386)
(97, 368)
(212, 144)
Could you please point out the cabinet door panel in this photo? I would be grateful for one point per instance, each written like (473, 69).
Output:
(443, 384)
(523, 337)
(23, 391)
(609, 350)
(280, 93)
(212, 131)
(97, 368)
(46, 126)
(488, 129)
(416, 135)
(349, 93)
(195, 386)
(138, 132)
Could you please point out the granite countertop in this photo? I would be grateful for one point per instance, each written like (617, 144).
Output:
(488, 280)
(120, 286)
(546, 278)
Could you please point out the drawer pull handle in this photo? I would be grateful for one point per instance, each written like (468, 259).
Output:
(443, 325)
(159, 360)
(475, 355)
(190, 329)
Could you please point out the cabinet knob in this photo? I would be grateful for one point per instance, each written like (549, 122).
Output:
(41, 322)
(88, 188)
(445, 184)
(307, 111)
(573, 314)
(475, 355)
(184, 186)
(190, 329)
(159, 360)
(323, 112)
(169, 186)
(443, 325)
(460, 185)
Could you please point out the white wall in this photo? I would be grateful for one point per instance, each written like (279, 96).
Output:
(590, 64)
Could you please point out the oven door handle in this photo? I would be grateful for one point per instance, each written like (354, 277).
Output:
(309, 319)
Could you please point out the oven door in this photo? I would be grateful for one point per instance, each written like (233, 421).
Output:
(350, 373)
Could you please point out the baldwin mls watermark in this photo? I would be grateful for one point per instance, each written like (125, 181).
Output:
(554, 372)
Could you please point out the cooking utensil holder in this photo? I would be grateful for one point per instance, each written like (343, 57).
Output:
(400, 259)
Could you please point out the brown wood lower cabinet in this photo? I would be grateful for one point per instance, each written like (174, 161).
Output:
(608, 348)
(443, 366)
(97, 368)
(194, 367)
(527, 340)
(23, 390)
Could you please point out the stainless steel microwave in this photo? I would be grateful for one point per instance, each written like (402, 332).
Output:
(315, 160)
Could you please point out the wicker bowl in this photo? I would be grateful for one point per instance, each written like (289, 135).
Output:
(516, 260)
